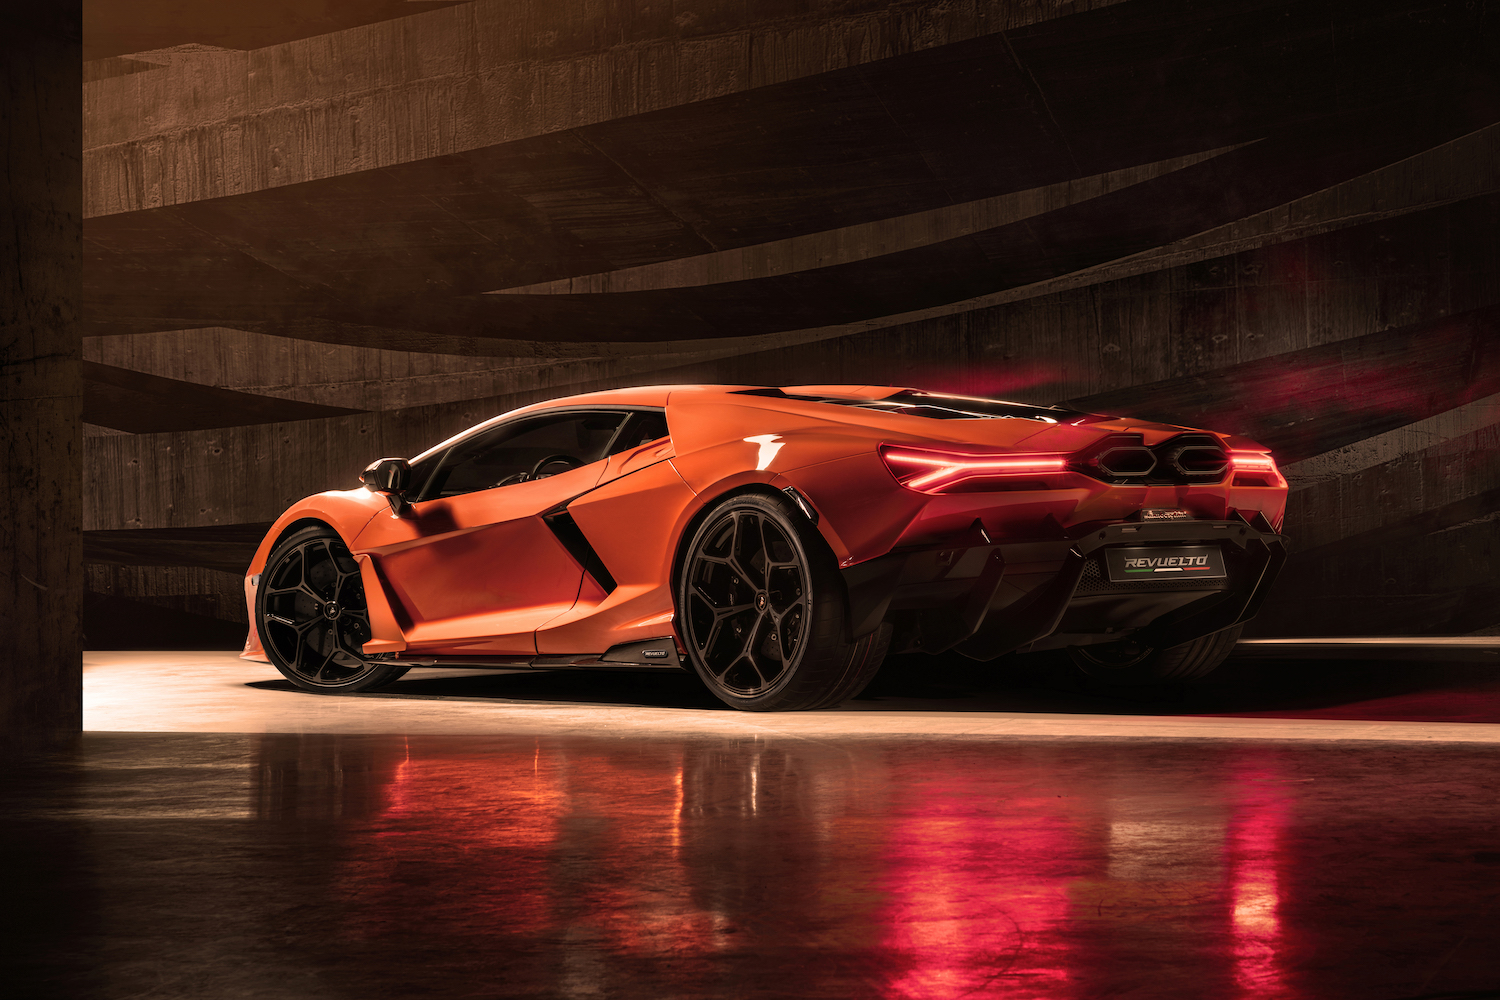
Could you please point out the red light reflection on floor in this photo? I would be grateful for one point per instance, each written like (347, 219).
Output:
(1253, 853)
(972, 902)
(455, 817)
(931, 878)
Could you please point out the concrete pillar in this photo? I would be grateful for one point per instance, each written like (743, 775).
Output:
(41, 420)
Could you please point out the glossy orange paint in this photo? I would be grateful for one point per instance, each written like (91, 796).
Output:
(479, 573)
(482, 574)
(386, 635)
(656, 504)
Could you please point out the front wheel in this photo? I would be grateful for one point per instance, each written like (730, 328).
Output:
(760, 607)
(1131, 663)
(310, 609)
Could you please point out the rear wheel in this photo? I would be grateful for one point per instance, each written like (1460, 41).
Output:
(760, 607)
(1131, 663)
(313, 620)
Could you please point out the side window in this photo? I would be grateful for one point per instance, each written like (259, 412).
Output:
(518, 452)
(643, 428)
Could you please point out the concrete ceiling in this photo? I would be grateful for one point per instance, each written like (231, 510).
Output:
(122, 27)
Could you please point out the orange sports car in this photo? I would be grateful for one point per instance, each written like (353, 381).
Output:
(776, 541)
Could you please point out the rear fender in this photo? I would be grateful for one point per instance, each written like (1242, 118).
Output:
(826, 505)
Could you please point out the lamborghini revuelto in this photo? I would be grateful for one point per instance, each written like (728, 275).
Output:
(777, 542)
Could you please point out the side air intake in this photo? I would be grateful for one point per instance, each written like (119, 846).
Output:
(576, 542)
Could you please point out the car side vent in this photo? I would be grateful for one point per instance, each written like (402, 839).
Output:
(576, 542)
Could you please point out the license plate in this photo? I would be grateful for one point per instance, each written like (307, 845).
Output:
(1164, 514)
(1157, 562)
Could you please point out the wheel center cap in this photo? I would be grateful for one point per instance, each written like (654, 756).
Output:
(331, 610)
(761, 601)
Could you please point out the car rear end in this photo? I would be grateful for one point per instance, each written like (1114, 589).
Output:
(1049, 528)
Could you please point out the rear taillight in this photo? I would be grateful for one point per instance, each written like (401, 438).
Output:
(1252, 461)
(1255, 468)
(942, 472)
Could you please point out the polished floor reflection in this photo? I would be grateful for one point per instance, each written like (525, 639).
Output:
(1411, 700)
(312, 866)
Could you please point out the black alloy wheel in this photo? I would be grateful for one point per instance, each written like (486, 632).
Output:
(760, 607)
(313, 620)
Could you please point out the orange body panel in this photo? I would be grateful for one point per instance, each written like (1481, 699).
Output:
(385, 632)
(479, 573)
(484, 574)
(655, 504)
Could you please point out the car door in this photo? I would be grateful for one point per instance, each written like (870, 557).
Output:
(474, 568)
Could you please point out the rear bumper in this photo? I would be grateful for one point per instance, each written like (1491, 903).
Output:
(985, 599)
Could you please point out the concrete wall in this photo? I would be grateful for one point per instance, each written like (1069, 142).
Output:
(1273, 218)
(41, 571)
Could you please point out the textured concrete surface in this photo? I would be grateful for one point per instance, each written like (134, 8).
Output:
(1276, 219)
(736, 865)
(41, 433)
(445, 81)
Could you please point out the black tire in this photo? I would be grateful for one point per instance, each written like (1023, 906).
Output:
(761, 608)
(311, 613)
(1130, 663)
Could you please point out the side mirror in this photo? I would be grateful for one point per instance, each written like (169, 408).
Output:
(390, 477)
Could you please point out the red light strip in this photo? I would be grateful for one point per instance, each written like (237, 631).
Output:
(948, 470)
(1245, 461)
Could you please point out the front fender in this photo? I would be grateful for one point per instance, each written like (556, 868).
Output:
(345, 511)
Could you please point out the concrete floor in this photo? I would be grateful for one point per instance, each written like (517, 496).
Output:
(1298, 829)
(1269, 692)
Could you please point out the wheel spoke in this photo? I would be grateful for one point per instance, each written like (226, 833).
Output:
(765, 555)
(302, 649)
(748, 651)
(742, 527)
(746, 581)
(720, 613)
(778, 618)
(318, 643)
(299, 629)
(704, 595)
(752, 652)
(759, 673)
(713, 634)
(353, 645)
(720, 674)
(327, 659)
(348, 582)
(308, 565)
